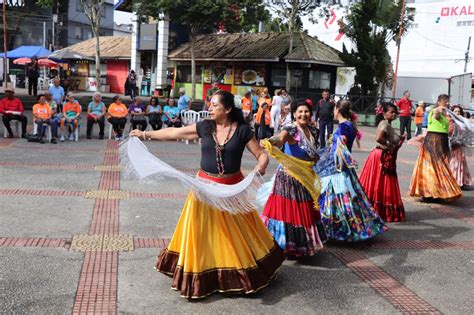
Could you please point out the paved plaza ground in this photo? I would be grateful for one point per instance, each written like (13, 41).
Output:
(77, 238)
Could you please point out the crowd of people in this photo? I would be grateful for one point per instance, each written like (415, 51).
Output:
(62, 113)
(315, 194)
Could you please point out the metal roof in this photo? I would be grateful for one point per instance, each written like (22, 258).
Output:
(258, 47)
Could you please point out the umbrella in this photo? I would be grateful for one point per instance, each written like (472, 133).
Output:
(27, 51)
(41, 62)
(68, 54)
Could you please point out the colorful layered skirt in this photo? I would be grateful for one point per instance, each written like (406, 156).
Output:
(291, 217)
(346, 212)
(215, 251)
(380, 182)
(432, 177)
(458, 166)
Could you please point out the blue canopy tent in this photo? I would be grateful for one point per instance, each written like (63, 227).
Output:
(27, 52)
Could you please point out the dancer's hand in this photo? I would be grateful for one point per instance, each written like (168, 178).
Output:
(136, 133)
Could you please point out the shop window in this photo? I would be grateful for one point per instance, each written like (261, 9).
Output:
(103, 69)
(278, 77)
(80, 69)
(319, 80)
(296, 78)
(183, 74)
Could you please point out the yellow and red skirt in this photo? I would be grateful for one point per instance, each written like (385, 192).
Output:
(216, 251)
(432, 177)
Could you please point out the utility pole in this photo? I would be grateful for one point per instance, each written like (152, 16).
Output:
(466, 58)
(400, 33)
(5, 46)
(44, 35)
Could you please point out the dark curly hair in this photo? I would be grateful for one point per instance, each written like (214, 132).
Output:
(297, 103)
(460, 108)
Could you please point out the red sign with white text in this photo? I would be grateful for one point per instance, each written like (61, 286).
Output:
(456, 11)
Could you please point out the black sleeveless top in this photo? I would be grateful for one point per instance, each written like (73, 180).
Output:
(233, 150)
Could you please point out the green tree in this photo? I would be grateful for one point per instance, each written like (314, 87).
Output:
(371, 25)
(277, 25)
(290, 13)
(205, 16)
(94, 10)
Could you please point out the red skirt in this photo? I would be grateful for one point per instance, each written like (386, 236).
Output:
(382, 188)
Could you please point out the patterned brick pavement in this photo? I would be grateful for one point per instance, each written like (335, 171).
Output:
(396, 293)
(97, 286)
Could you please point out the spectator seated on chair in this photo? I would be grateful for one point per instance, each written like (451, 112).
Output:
(137, 112)
(117, 114)
(96, 114)
(56, 113)
(42, 114)
(71, 115)
(12, 109)
(154, 113)
(171, 114)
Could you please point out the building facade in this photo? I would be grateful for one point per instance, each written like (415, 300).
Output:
(79, 27)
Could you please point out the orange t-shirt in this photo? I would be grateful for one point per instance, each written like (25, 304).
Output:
(117, 110)
(42, 111)
(268, 117)
(246, 104)
(419, 115)
(72, 107)
(267, 100)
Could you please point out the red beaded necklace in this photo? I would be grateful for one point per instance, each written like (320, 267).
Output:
(220, 150)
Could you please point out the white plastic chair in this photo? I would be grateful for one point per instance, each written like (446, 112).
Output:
(189, 117)
(111, 127)
(17, 128)
(204, 114)
(48, 130)
(76, 132)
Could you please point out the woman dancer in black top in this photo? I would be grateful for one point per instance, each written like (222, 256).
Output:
(213, 250)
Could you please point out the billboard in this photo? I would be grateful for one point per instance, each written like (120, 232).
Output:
(148, 37)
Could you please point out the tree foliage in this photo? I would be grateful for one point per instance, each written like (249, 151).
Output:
(371, 25)
(205, 16)
(290, 13)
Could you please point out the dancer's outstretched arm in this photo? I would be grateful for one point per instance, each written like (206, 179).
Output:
(185, 133)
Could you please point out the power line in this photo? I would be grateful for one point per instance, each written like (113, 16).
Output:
(434, 42)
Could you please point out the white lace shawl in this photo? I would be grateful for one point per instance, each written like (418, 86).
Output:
(138, 163)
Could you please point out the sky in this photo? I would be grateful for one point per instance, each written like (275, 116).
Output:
(121, 17)
(434, 48)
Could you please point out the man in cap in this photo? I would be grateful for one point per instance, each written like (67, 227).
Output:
(12, 109)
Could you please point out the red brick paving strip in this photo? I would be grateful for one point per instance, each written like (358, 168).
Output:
(150, 242)
(145, 242)
(416, 244)
(146, 195)
(33, 242)
(397, 294)
(443, 209)
(97, 287)
(41, 192)
(49, 166)
(55, 148)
